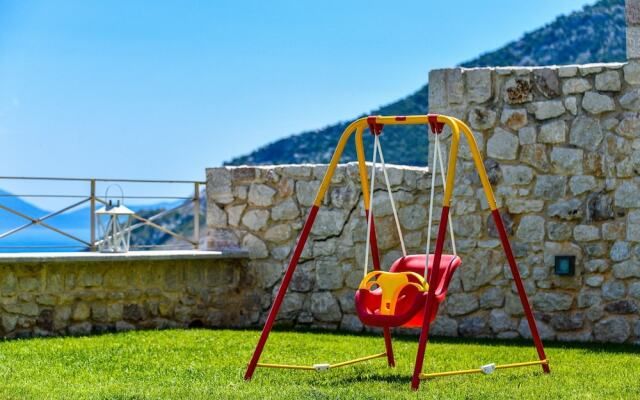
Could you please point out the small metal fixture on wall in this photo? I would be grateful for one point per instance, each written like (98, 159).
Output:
(565, 265)
(114, 223)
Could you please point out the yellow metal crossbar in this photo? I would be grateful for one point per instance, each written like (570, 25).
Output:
(479, 370)
(320, 367)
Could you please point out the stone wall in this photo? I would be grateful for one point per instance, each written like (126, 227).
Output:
(562, 148)
(77, 298)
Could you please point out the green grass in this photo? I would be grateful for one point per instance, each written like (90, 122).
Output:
(203, 364)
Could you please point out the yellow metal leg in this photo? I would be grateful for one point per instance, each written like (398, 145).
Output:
(321, 367)
(479, 370)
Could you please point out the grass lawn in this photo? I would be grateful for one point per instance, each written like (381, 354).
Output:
(209, 364)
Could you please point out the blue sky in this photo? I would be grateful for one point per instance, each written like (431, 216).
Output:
(164, 89)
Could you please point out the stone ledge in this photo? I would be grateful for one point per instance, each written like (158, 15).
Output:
(13, 258)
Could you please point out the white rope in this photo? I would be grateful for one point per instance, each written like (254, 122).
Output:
(370, 216)
(444, 188)
(393, 203)
(437, 160)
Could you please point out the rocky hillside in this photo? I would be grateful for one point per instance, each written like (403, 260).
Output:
(594, 34)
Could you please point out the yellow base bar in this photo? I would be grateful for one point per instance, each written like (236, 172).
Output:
(479, 371)
(320, 367)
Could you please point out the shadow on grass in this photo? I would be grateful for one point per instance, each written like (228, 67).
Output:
(413, 338)
(402, 337)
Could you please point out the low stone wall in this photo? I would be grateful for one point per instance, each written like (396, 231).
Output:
(83, 297)
(562, 149)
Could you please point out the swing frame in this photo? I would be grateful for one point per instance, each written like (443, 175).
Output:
(376, 124)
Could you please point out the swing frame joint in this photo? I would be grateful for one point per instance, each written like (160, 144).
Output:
(436, 126)
(374, 127)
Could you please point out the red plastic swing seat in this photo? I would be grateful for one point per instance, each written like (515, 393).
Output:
(409, 309)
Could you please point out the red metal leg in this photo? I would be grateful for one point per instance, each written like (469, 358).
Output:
(293, 263)
(375, 256)
(431, 298)
(373, 238)
(521, 292)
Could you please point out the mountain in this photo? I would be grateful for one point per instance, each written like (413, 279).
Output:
(8, 219)
(594, 34)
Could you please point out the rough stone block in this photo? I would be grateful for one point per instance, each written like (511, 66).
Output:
(620, 251)
(351, 323)
(613, 289)
(521, 206)
(481, 118)
(553, 132)
(412, 217)
(461, 303)
(531, 229)
(586, 133)
(444, 326)
(514, 118)
(325, 307)
(575, 86)
(437, 88)
(633, 226)
(596, 103)
(547, 109)
(278, 233)
(633, 42)
(612, 330)
(586, 233)
(473, 326)
(567, 71)
(234, 213)
(559, 231)
(613, 230)
(479, 87)
(567, 160)
(255, 246)
(516, 174)
(582, 183)
(550, 187)
(518, 90)
(630, 100)
(552, 301)
(219, 185)
(626, 195)
(536, 156)
(608, 81)
(255, 220)
(632, 72)
(455, 86)
(329, 274)
(502, 145)
(546, 81)
(544, 330)
(627, 269)
(306, 192)
(527, 135)
(261, 195)
(329, 222)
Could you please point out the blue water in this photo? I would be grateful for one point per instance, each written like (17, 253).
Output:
(39, 239)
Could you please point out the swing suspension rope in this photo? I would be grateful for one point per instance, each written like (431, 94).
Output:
(437, 160)
(377, 148)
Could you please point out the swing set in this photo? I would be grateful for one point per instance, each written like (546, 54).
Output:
(410, 293)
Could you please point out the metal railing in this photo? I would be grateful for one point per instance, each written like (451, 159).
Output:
(93, 199)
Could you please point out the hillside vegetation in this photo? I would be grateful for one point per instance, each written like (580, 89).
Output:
(594, 34)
